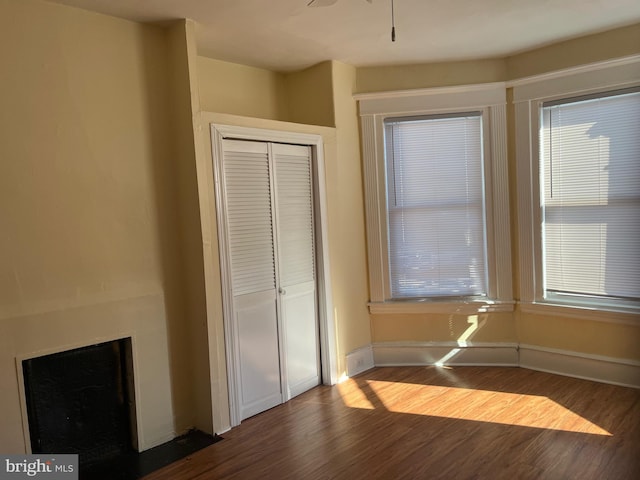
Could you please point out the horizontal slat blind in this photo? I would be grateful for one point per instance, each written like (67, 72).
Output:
(436, 206)
(295, 214)
(591, 196)
(248, 197)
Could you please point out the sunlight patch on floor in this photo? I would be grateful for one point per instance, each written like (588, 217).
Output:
(354, 397)
(467, 404)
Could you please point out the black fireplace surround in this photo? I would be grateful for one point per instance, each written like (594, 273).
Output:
(82, 401)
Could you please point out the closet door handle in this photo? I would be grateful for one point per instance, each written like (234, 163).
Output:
(282, 291)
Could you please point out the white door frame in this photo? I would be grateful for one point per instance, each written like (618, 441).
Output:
(328, 344)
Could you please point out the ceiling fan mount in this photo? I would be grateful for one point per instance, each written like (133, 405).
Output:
(328, 3)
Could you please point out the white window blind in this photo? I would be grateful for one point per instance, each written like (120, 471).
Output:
(435, 206)
(590, 175)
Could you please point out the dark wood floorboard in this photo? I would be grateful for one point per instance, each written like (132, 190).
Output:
(434, 423)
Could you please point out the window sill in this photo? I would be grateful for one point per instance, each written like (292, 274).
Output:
(626, 316)
(461, 307)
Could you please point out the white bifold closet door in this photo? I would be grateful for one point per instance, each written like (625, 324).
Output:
(269, 216)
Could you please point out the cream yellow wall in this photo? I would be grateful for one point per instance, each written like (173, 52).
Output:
(241, 90)
(191, 366)
(88, 244)
(602, 46)
(484, 327)
(407, 77)
(346, 217)
(617, 340)
(304, 97)
(309, 95)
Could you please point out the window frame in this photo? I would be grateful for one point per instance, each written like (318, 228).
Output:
(375, 108)
(529, 95)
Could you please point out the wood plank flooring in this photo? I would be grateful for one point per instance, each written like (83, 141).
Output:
(434, 423)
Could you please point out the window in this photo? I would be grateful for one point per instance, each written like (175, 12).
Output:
(578, 165)
(435, 206)
(437, 200)
(590, 175)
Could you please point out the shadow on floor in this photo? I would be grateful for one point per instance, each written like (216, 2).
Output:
(134, 465)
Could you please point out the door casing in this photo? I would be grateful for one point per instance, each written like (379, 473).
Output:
(328, 346)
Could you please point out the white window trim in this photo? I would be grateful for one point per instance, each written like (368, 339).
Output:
(374, 109)
(528, 96)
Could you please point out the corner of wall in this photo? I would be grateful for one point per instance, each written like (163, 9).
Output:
(310, 95)
(185, 111)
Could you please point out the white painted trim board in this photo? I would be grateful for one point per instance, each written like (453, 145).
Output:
(597, 368)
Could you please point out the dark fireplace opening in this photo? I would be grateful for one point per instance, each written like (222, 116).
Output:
(81, 401)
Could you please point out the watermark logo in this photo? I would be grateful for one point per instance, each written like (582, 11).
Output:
(50, 467)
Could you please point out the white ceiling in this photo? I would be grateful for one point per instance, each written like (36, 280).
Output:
(286, 35)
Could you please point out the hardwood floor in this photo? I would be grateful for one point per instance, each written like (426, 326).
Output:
(434, 423)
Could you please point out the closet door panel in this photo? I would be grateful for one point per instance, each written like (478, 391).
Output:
(259, 363)
(249, 219)
(301, 337)
(296, 265)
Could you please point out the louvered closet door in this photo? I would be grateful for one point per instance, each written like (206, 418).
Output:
(249, 221)
(295, 254)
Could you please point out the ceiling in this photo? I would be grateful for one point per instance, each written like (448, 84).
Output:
(285, 35)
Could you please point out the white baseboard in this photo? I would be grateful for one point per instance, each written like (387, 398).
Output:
(597, 368)
(387, 354)
(360, 360)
